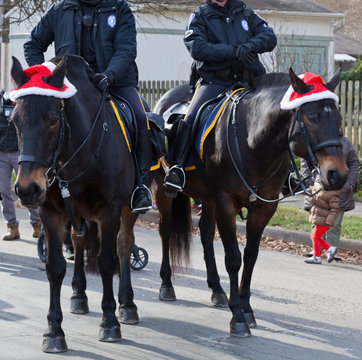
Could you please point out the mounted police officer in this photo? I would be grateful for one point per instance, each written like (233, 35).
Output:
(103, 32)
(224, 38)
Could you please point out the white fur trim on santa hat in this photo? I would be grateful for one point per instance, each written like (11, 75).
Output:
(69, 92)
(286, 104)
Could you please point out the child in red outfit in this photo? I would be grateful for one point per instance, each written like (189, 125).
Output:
(322, 214)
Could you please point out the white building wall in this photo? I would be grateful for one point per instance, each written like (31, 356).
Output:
(162, 54)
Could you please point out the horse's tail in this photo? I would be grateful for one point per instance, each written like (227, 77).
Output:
(180, 232)
(92, 246)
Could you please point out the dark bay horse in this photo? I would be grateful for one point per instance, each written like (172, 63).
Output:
(245, 164)
(75, 162)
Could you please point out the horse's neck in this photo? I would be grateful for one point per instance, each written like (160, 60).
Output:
(79, 119)
(267, 129)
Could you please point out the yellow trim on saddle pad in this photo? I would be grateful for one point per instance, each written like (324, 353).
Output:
(214, 122)
(186, 168)
(120, 124)
(156, 166)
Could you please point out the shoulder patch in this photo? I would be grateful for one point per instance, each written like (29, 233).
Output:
(111, 21)
(245, 25)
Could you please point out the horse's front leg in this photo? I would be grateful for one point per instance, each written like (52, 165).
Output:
(54, 338)
(127, 308)
(110, 330)
(79, 300)
(207, 234)
(255, 225)
(226, 222)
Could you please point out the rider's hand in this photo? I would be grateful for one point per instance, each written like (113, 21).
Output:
(250, 58)
(100, 80)
(242, 51)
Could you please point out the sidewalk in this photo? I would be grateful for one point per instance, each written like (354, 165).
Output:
(280, 233)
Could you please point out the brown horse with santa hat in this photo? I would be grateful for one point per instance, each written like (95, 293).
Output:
(76, 165)
(245, 160)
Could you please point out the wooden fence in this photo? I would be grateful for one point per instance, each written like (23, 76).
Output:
(153, 90)
(350, 102)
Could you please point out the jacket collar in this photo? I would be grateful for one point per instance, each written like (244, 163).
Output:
(234, 7)
(75, 4)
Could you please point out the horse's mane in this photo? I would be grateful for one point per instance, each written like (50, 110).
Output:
(263, 106)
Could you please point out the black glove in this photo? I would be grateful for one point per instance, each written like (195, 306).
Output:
(250, 58)
(99, 80)
(242, 51)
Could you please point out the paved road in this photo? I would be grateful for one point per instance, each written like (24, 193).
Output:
(303, 311)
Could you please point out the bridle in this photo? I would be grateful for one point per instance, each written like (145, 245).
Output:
(253, 189)
(53, 171)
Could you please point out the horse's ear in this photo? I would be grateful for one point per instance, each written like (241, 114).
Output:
(334, 81)
(17, 73)
(299, 86)
(56, 78)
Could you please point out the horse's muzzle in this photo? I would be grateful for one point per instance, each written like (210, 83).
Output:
(335, 180)
(30, 187)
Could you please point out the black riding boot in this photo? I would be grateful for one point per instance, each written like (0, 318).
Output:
(175, 179)
(141, 199)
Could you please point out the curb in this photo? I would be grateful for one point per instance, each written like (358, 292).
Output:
(276, 232)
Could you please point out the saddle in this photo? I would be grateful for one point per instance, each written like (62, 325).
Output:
(205, 120)
(128, 123)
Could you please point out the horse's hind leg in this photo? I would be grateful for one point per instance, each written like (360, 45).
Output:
(79, 300)
(54, 338)
(207, 232)
(226, 223)
(164, 204)
(254, 230)
(127, 308)
(110, 330)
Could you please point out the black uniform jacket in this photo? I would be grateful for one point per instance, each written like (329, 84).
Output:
(114, 37)
(214, 33)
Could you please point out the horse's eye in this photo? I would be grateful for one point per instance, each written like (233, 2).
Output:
(313, 117)
(53, 121)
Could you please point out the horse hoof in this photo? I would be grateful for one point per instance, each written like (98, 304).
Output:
(54, 345)
(128, 316)
(112, 334)
(79, 306)
(250, 319)
(167, 294)
(240, 330)
(219, 300)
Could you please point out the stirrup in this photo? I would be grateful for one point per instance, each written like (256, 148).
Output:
(173, 186)
(142, 209)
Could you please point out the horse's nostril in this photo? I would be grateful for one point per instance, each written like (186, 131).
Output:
(331, 176)
(16, 189)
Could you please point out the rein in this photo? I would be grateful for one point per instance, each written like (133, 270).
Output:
(254, 188)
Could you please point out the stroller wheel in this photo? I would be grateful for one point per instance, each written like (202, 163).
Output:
(139, 258)
(42, 248)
